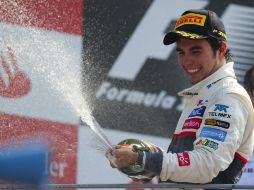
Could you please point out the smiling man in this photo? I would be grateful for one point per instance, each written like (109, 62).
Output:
(213, 139)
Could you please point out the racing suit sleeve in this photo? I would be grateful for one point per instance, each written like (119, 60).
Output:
(214, 147)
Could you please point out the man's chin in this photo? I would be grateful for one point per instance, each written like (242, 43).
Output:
(194, 81)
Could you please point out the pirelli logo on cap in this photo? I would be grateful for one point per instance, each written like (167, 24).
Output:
(191, 18)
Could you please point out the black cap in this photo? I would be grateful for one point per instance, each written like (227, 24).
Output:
(197, 24)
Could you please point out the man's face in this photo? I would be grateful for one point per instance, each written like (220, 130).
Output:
(197, 59)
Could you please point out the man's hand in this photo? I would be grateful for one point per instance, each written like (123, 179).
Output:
(122, 157)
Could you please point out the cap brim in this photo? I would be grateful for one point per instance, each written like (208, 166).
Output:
(173, 36)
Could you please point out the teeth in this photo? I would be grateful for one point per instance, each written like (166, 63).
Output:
(192, 70)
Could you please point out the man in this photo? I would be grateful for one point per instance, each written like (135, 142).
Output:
(214, 136)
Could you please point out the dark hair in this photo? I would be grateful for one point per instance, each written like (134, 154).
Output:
(216, 44)
(249, 80)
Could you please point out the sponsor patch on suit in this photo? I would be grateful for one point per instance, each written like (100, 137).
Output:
(208, 143)
(221, 107)
(198, 112)
(183, 159)
(213, 133)
(193, 123)
(218, 123)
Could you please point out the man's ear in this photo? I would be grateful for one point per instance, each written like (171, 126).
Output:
(223, 48)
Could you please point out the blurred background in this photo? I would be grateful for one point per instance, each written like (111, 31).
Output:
(102, 58)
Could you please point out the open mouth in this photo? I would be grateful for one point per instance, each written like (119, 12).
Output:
(192, 71)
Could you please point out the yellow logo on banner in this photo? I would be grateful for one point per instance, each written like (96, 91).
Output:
(191, 18)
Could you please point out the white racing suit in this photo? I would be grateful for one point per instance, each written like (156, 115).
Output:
(214, 137)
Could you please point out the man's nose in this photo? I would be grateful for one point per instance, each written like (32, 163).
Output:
(188, 60)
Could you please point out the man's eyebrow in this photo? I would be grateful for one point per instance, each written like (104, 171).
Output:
(195, 48)
(191, 49)
(179, 49)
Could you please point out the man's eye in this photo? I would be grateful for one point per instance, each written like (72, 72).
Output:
(196, 52)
